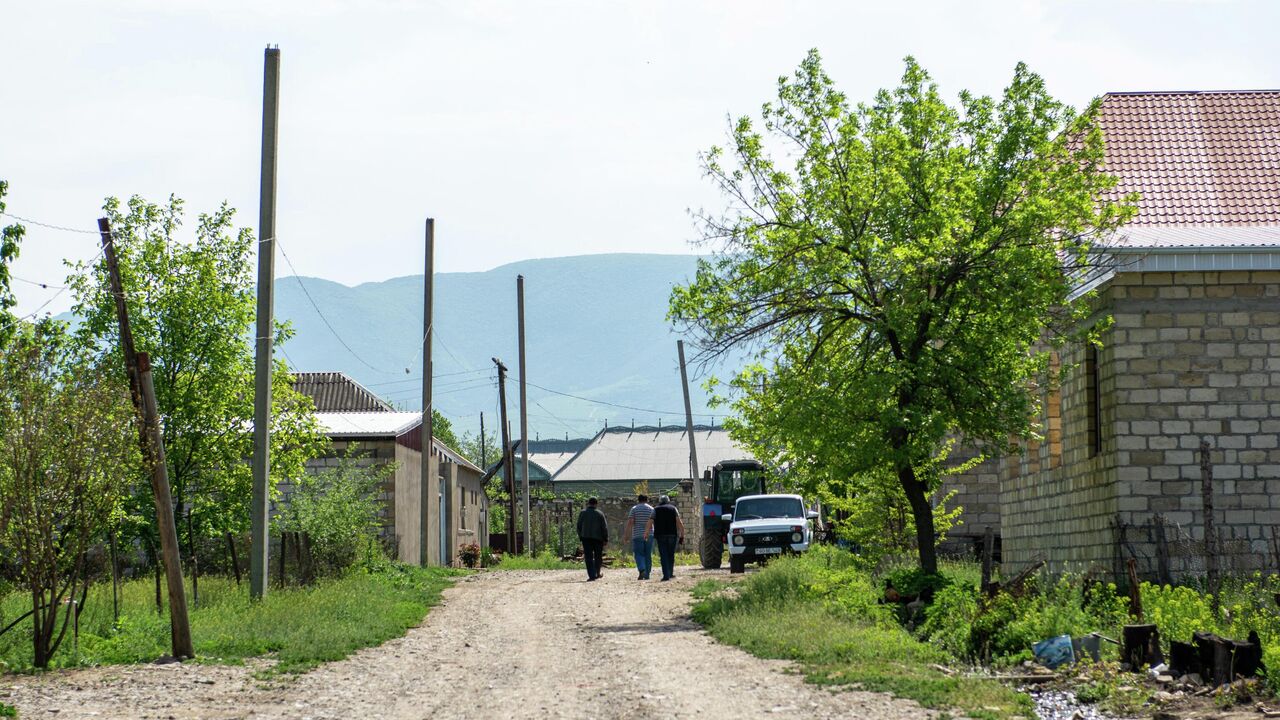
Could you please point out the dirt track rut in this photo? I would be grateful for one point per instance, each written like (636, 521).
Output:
(530, 644)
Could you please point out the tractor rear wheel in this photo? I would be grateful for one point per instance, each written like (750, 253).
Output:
(710, 550)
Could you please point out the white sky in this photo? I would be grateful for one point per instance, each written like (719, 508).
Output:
(528, 129)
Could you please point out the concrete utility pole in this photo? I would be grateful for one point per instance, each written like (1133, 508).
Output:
(259, 509)
(524, 416)
(151, 439)
(484, 454)
(688, 425)
(507, 470)
(429, 486)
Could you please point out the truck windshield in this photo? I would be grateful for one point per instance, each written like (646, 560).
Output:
(757, 508)
(736, 483)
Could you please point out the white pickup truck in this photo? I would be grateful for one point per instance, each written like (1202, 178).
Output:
(764, 526)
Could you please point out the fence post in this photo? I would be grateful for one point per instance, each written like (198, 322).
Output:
(1210, 534)
(1162, 552)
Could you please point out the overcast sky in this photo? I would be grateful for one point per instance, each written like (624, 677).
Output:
(527, 129)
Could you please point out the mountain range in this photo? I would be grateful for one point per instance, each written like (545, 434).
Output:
(599, 347)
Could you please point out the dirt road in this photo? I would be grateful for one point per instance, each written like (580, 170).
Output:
(532, 644)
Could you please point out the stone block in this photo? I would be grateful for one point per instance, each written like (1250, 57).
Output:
(1175, 427)
(1206, 427)
(1245, 426)
(1202, 395)
(1173, 293)
(1254, 410)
(1264, 441)
(1220, 292)
(1173, 395)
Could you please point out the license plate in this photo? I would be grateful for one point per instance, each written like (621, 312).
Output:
(768, 551)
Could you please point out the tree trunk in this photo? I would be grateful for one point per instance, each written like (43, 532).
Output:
(922, 513)
(235, 561)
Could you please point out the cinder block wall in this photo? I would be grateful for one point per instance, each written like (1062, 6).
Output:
(1198, 357)
(1190, 356)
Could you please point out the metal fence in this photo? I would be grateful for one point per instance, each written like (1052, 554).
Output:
(1167, 552)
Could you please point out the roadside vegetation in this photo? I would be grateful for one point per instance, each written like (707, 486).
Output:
(824, 611)
(828, 611)
(298, 627)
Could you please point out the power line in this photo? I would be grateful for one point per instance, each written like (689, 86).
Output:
(46, 286)
(56, 295)
(316, 306)
(672, 413)
(419, 378)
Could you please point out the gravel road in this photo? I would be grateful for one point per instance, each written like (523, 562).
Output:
(529, 644)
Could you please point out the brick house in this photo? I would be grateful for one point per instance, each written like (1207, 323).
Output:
(1193, 287)
(349, 413)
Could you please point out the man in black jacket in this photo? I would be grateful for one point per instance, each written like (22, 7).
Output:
(593, 531)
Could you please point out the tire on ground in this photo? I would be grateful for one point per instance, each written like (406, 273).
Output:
(710, 550)
(737, 564)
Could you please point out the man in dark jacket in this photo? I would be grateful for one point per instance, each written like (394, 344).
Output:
(668, 529)
(593, 531)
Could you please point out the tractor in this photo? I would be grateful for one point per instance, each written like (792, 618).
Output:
(728, 481)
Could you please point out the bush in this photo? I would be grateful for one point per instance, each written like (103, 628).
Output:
(339, 510)
(469, 555)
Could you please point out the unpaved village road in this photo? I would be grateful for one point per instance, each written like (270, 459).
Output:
(530, 644)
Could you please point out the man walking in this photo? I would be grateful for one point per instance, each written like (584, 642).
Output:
(637, 520)
(666, 527)
(593, 531)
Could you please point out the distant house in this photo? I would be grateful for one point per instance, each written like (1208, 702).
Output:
(546, 457)
(618, 459)
(350, 414)
(1193, 355)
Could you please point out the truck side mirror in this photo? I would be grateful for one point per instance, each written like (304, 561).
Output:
(812, 515)
(728, 517)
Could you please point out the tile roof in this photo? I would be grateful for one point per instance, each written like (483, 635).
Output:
(1196, 157)
(647, 453)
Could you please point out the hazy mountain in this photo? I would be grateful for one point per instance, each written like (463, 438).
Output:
(595, 327)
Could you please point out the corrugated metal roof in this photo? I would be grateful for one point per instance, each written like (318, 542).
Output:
(335, 392)
(344, 425)
(1196, 157)
(367, 424)
(647, 453)
(1184, 237)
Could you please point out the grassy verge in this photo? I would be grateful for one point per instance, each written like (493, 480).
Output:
(542, 561)
(821, 612)
(302, 627)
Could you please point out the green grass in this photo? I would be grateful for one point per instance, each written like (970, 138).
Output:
(301, 627)
(821, 612)
(542, 561)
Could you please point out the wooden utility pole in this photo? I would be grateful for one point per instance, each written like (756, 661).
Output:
(688, 426)
(484, 454)
(151, 440)
(259, 508)
(507, 470)
(429, 486)
(524, 416)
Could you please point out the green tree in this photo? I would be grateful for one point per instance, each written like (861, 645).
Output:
(10, 237)
(442, 428)
(191, 306)
(66, 444)
(898, 275)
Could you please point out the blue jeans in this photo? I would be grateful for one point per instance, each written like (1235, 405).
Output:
(643, 550)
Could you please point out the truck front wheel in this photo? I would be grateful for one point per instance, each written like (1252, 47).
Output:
(737, 564)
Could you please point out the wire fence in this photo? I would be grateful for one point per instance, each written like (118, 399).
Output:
(1169, 553)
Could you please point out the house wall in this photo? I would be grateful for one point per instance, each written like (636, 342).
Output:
(408, 498)
(977, 492)
(1198, 357)
(1059, 497)
(471, 509)
(1190, 356)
